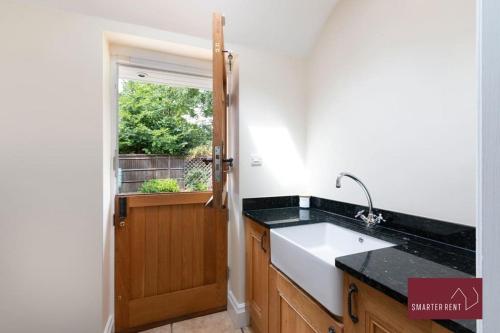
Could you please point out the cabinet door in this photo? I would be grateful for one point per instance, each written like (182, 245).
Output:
(370, 311)
(291, 310)
(257, 267)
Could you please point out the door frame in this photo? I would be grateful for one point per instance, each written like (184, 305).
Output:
(115, 61)
(488, 157)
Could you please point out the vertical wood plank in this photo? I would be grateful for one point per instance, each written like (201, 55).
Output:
(137, 250)
(257, 294)
(151, 252)
(209, 245)
(287, 322)
(274, 301)
(176, 249)
(164, 249)
(188, 217)
(198, 241)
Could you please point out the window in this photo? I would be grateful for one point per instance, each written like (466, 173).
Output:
(164, 132)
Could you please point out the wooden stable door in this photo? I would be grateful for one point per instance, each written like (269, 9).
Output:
(171, 248)
(170, 259)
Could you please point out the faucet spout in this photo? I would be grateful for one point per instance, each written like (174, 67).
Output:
(370, 219)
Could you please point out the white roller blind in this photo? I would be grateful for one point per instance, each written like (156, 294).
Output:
(165, 73)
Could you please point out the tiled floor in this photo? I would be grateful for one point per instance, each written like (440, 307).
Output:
(214, 323)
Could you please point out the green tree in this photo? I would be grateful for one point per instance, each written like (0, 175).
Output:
(159, 119)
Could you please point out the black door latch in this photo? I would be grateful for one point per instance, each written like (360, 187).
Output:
(208, 160)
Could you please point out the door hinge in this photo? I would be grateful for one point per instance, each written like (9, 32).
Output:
(228, 273)
(229, 59)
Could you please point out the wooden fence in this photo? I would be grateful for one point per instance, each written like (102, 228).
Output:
(137, 168)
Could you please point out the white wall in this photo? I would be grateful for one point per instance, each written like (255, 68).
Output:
(56, 240)
(51, 138)
(391, 98)
(272, 103)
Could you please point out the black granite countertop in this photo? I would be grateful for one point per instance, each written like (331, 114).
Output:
(388, 269)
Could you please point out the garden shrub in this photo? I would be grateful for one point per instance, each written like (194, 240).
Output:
(159, 185)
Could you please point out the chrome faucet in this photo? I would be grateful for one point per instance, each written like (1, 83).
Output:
(370, 219)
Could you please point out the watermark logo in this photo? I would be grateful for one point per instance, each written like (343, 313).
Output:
(445, 298)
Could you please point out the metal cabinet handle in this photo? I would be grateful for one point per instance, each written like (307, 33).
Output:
(331, 329)
(352, 289)
(264, 234)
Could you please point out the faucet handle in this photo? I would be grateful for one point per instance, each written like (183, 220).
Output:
(360, 213)
(380, 218)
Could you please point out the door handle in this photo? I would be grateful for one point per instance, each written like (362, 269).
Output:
(229, 161)
(352, 289)
(264, 234)
(208, 160)
(217, 161)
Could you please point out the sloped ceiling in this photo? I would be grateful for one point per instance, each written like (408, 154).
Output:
(285, 26)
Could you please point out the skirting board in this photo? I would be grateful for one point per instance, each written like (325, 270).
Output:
(237, 311)
(110, 325)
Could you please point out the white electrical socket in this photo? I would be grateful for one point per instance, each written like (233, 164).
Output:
(255, 160)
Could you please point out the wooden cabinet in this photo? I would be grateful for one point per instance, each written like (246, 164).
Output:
(291, 310)
(370, 311)
(257, 268)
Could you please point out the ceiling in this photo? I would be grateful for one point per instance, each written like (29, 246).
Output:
(285, 26)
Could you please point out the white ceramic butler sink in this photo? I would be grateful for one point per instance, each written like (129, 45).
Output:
(306, 254)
